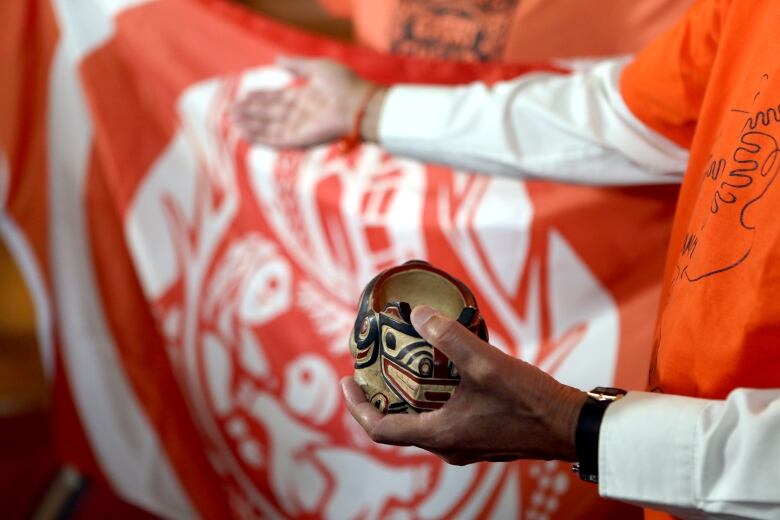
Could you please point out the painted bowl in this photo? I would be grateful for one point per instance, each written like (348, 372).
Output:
(398, 371)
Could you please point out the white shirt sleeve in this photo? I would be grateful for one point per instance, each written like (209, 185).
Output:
(694, 458)
(568, 127)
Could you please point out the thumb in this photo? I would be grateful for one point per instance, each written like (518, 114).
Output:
(465, 350)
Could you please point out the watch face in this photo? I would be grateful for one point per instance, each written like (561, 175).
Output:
(605, 393)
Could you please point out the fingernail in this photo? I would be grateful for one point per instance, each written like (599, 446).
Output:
(420, 315)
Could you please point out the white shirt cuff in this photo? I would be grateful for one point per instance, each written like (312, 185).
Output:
(647, 448)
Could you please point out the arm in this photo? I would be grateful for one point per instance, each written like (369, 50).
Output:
(571, 127)
(685, 455)
(614, 123)
(679, 454)
(611, 124)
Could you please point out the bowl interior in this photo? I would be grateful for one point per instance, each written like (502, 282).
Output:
(419, 287)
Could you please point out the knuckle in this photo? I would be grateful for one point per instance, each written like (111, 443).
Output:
(442, 438)
(377, 437)
(482, 372)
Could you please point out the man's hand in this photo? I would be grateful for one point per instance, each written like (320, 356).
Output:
(503, 408)
(318, 108)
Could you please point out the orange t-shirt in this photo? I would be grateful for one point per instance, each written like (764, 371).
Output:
(713, 84)
(508, 30)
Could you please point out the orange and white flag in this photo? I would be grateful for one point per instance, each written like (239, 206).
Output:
(195, 292)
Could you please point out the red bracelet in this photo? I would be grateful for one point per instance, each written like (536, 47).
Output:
(351, 141)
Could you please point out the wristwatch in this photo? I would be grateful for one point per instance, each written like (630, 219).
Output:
(588, 427)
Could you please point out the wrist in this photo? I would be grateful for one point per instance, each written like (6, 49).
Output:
(569, 408)
(369, 125)
(360, 97)
(589, 429)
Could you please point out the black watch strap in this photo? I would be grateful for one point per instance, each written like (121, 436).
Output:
(588, 429)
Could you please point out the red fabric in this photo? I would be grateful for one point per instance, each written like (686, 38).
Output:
(28, 463)
(27, 44)
(139, 343)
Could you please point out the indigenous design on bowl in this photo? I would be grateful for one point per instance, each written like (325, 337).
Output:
(396, 368)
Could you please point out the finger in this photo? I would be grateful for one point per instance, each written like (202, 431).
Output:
(256, 131)
(250, 125)
(365, 414)
(269, 115)
(396, 429)
(268, 104)
(280, 121)
(260, 95)
(277, 136)
(260, 98)
(353, 394)
(469, 353)
(263, 136)
(404, 430)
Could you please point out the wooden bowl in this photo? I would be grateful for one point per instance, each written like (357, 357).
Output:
(399, 371)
